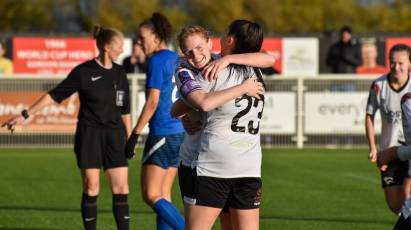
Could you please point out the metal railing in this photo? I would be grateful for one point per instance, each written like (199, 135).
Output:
(295, 106)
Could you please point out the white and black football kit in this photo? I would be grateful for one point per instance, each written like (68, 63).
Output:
(188, 79)
(228, 164)
(104, 97)
(388, 100)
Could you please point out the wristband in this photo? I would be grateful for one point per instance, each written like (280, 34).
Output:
(25, 114)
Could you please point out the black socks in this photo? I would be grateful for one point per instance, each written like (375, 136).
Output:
(120, 211)
(89, 211)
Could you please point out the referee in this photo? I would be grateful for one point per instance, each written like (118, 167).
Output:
(103, 124)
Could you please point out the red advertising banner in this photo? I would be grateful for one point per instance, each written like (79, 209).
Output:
(390, 42)
(50, 55)
(56, 118)
(272, 46)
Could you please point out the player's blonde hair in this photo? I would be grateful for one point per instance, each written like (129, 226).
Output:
(189, 31)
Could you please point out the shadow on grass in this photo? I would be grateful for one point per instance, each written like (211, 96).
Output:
(329, 220)
(49, 209)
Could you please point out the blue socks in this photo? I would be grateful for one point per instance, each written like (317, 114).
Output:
(167, 213)
(161, 224)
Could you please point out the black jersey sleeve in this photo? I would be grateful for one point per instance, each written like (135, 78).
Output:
(67, 87)
(125, 109)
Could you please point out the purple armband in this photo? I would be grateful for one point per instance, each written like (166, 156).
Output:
(188, 83)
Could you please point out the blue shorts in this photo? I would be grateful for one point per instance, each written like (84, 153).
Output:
(162, 150)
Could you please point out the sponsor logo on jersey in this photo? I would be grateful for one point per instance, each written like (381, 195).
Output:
(96, 78)
(189, 200)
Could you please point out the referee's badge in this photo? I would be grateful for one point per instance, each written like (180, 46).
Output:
(119, 97)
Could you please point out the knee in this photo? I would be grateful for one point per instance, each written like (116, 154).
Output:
(150, 198)
(91, 188)
(120, 189)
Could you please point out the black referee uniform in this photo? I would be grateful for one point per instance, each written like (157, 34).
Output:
(104, 96)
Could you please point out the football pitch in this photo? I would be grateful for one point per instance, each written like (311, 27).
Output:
(302, 189)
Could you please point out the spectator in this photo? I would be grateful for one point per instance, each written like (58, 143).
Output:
(136, 62)
(369, 55)
(6, 66)
(344, 56)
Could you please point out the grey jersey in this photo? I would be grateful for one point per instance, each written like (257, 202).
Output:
(230, 141)
(388, 101)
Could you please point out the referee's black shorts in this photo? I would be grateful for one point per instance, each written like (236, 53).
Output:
(100, 147)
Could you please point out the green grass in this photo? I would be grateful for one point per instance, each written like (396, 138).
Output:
(302, 189)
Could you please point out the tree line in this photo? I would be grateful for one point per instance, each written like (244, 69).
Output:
(276, 16)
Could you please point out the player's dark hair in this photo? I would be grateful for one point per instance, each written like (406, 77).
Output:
(189, 31)
(400, 48)
(159, 25)
(248, 38)
(104, 36)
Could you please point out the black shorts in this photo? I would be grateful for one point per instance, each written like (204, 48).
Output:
(395, 174)
(187, 179)
(403, 224)
(100, 147)
(237, 193)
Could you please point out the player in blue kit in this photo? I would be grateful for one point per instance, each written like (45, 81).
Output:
(160, 158)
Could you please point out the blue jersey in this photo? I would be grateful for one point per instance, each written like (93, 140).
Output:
(160, 75)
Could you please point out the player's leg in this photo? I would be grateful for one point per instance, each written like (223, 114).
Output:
(202, 217)
(168, 182)
(244, 202)
(187, 181)
(225, 220)
(91, 188)
(152, 182)
(118, 180)
(245, 219)
(394, 196)
(393, 183)
(160, 161)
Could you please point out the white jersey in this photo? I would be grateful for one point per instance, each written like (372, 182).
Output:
(388, 101)
(406, 121)
(230, 141)
(188, 79)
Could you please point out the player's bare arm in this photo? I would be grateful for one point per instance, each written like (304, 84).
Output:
(369, 129)
(179, 109)
(209, 101)
(262, 60)
(153, 96)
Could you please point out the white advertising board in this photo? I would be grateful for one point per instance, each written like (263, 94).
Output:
(300, 56)
(336, 113)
